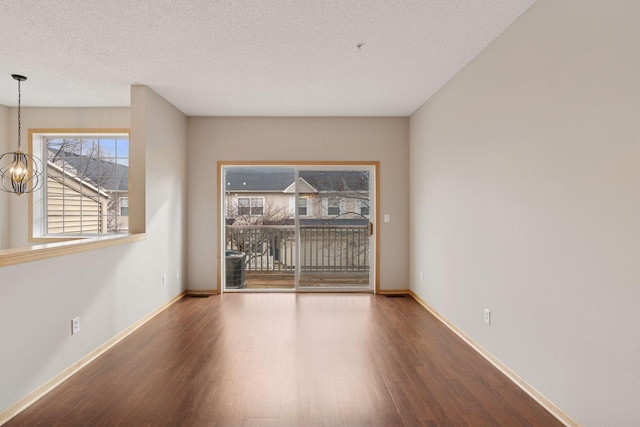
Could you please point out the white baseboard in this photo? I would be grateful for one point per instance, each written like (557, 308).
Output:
(515, 378)
(33, 397)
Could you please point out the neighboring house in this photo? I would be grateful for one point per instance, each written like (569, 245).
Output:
(333, 213)
(267, 196)
(74, 206)
(74, 180)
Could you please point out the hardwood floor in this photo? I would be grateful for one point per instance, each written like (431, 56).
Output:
(289, 360)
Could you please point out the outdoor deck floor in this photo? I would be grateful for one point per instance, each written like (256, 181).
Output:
(316, 280)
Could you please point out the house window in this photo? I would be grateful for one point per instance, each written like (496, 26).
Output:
(124, 206)
(86, 186)
(364, 208)
(302, 206)
(244, 206)
(333, 206)
(250, 206)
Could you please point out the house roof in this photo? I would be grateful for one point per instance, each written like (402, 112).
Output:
(107, 175)
(266, 179)
(258, 179)
(303, 187)
(337, 180)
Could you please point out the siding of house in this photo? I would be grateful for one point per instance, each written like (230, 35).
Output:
(349, 208)
(276, 205)
(284, 204)
(116, 219)
(72, 208)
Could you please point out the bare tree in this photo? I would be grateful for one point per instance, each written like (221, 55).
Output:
(350, 188)
(270, 214)
(84, 159)
(253, 232)
(341, 236)
(347, 245)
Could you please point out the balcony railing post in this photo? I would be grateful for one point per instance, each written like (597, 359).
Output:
(272, 248)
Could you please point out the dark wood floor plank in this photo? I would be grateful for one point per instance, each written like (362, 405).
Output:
(289, 360)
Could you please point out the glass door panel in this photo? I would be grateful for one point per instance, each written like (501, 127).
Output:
(333, 217)
(298, 227)
(259, 228)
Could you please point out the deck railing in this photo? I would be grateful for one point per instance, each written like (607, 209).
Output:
(274, 248)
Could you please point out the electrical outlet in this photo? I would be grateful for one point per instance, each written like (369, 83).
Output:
(164, 279)
(487, 316)
(177, 273)
(75, 325)
(421, 277)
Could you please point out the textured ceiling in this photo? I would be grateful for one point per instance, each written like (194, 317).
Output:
(245, 57)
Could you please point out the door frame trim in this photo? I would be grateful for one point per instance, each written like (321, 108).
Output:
(219, 191)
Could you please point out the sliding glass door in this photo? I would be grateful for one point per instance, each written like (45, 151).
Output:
(260, 232)
(298, 227)
(334, 228)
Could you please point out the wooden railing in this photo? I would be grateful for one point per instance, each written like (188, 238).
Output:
(274, 248)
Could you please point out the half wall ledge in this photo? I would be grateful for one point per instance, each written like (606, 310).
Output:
(50, 250)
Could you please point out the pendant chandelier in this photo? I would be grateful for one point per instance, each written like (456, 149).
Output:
(20, 172)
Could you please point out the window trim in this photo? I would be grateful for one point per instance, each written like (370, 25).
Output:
(36, 138)
(67, 246)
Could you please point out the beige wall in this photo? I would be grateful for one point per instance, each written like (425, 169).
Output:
(109, 288)
(4, 203)
(213, 139)
(165, 128)
(53, 118)
(525, 200)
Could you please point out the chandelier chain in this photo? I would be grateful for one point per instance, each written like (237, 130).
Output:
(19, 115)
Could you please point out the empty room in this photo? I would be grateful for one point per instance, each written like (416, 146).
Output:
(319, 213)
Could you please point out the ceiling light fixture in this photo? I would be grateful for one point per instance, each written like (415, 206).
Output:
(23, 173)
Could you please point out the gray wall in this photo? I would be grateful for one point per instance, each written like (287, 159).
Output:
(110, 288)
(524, 199)
(212, 139)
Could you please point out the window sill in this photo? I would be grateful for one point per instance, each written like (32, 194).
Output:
(50, 250)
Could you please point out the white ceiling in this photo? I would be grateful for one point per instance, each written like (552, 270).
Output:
(245, 57)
